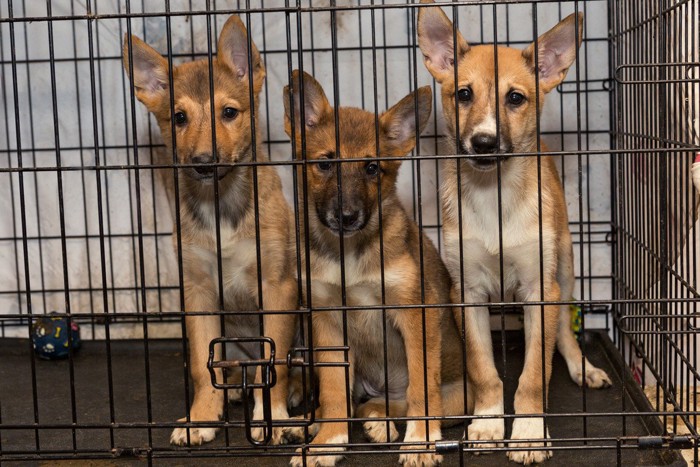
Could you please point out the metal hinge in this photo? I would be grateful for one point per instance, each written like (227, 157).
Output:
(671, 441)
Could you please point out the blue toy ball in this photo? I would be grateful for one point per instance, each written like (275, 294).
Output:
(50, 337)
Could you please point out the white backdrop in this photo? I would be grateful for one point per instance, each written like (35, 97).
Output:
(110, 128)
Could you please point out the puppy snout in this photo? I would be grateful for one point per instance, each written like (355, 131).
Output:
(484, 143)
(348, 217)
(204, 158)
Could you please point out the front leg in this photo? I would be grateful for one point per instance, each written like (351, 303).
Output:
(333, 395)
(487, 386)
(208, 401)
(423, 367)
(531, 395)
(281, 329)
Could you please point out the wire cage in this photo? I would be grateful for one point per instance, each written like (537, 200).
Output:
(96, 220)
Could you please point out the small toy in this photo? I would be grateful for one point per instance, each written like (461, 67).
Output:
(575, 311)
(50, 337)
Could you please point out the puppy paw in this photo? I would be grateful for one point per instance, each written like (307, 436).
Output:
(278, 432)
(295, 395)
(298, 433)
(529, 428)
(279, 435)
(235, 395)
(376, 432)
(595, 377)
(415, 434)
(486, 429)
(320, 460)
(198, 435)
(427, 459)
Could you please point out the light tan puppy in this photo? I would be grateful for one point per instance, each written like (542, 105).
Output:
(479, 240)
(192, 122)
(368, 189)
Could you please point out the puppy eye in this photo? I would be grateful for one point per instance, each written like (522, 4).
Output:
(464, 95)
(230, 113)
(180, 118)
(372, 169)
(515, 98)
(325, 165)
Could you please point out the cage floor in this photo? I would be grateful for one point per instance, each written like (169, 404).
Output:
(53, 389)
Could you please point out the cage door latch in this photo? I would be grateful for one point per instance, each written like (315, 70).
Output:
(268, 378)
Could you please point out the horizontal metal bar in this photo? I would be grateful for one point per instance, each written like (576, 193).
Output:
(284, 9)
(301, 162)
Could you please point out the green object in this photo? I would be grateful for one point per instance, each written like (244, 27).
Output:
(575, 312)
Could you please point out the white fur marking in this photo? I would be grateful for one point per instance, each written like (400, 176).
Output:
(487, 126)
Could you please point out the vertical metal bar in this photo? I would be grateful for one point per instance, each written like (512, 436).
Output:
(139, 239)
(23, 217)
(298, 231)
(178, 220)
(61, 217)
(339, 178)
(582, 237)
(154, 174)
(82, 163)
(254, 147)
(217, 200)
(11, 179)
(100, 223)
(385, 349)
(538, 107)
(413, 59)
(458, 170)
(35, 177)
(663, 195)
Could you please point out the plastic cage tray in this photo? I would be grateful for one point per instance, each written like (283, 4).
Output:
(167, 405)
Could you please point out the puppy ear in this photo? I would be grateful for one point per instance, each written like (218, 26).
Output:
(232, 49)
(399, 127)
(150, 71)
(316, 104)
(556, 51)
(436, 41)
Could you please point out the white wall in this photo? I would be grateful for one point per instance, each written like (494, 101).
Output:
(75, 127)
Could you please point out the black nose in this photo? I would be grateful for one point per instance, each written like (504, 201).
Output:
(203, 159)
(348, 217)
(485, 144)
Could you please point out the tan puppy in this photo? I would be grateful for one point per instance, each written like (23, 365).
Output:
(397, 251)
(516, 132)
(192, 121)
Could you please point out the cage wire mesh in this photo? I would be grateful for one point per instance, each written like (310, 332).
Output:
(89, 198)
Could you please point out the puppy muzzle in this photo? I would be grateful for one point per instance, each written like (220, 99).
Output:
(485, 161)
(352, 221)
(206, 171)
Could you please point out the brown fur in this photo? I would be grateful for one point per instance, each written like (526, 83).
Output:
(478, 236)
(234, 144)
(401, 267)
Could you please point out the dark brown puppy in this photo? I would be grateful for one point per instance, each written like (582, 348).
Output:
(369, 258)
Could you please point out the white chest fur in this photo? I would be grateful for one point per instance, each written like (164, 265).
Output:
(497, 245)
(238, 268)
(365, 328)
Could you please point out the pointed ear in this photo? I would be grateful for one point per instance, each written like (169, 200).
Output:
(399, 127)
(316, 105)
(232, 49)
(556, 51)
(150, 71)
(436, 41)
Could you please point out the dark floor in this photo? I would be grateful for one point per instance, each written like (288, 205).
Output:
(131, 405)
